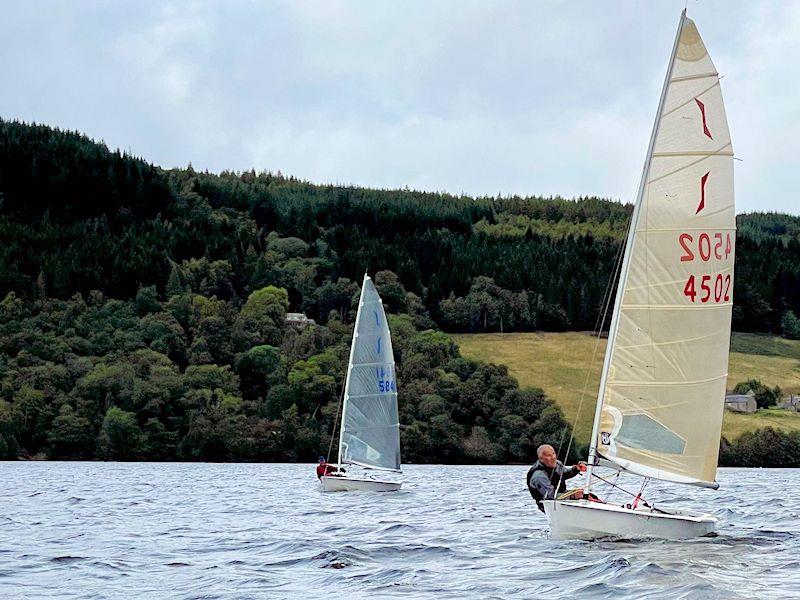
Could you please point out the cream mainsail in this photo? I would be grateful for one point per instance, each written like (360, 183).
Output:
(662, 392)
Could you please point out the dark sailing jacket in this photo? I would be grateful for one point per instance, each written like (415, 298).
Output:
(542, 481)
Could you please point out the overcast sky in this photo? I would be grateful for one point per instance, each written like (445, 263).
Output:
(481, 98)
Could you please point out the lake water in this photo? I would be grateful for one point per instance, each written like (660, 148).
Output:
(115, 530)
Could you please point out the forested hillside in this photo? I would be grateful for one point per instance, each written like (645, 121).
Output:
(143, 311)
(476, 264)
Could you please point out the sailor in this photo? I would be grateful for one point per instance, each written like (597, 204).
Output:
(323, 468)
(549, 473)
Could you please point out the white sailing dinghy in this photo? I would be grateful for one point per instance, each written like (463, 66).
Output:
(370, 432)
(661, 397)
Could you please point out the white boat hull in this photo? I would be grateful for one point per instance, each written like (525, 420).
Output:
(348, 484)
(583, 520)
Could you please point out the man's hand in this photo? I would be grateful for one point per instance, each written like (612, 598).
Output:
(581, 466)
(577, 494)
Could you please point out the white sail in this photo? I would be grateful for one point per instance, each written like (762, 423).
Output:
(370, 433)
(662, 392)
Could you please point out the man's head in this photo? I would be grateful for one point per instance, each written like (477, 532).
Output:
(546, 455)
(321, 459)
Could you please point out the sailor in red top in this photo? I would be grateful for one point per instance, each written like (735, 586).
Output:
(323, 468)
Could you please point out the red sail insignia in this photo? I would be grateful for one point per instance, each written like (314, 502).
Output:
(703, 114)
(702, 204)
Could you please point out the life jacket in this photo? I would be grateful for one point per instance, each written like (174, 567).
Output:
(554, 474)
(324, 469)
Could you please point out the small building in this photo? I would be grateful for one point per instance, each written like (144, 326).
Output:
(742, 403)
(299, 320)
(791, 403)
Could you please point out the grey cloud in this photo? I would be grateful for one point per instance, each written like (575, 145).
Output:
(509, 97)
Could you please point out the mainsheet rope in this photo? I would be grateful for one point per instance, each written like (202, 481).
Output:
(335, 423)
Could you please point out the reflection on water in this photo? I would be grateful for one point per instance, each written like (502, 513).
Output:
(83, 530)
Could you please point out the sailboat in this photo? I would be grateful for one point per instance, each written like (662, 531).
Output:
(370, 431)
(661, 397)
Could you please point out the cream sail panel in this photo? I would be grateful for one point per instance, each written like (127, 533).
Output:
(698, 124)
(684, 95)
(638, 426)
(659, 351)
(682, 98)
(680, 417)
(701, 187)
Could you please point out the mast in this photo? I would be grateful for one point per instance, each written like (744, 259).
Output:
(349, 368)
(612, 332)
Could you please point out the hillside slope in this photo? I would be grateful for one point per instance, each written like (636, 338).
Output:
(559, 363)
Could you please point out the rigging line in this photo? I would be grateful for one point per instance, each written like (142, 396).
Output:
(641, 491)
(622, 489)
(616, 479)
(613, 485)
(601, 319)
(335, 422)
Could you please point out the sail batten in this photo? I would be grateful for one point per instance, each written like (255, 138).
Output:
(669, 383)
(660, 404)
(689, 77)
(369, 466)
(697, 153)
(370, 431)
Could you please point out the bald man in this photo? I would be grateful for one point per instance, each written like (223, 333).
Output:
(549, 474)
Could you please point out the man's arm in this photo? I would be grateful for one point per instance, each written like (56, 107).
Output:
(541, 484)
(573, 471)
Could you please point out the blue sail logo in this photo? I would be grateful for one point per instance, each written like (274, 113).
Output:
(385, 380)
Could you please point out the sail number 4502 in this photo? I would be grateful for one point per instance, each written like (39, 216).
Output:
(708, 288)
(705, 246)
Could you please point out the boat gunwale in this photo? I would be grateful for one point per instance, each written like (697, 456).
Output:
(364, 479)
(686, 516)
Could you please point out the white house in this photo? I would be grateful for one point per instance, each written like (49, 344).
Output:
(299, 320)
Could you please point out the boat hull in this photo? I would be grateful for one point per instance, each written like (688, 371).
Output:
(348, 484)
(583, 520)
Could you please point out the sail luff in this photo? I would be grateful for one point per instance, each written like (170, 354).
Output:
(349, 369)
(612, 332)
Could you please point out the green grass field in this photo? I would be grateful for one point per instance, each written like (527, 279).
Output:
(559, 364)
